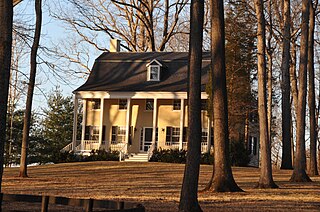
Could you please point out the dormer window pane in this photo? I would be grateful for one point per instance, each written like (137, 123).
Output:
(154, 73)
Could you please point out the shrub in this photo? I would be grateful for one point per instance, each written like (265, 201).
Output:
(95, 155)
(238, 153)
(177, 156)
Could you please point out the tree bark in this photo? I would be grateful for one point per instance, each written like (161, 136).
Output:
(286, 162)
(223, 180)
(33, 69)
(312, 97)
(6, 19)
(266, 180)
(189, 190)
(299, 172)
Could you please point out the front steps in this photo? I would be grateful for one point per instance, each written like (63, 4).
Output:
(137, 157)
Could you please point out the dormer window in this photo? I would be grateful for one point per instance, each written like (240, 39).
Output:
(153, 69)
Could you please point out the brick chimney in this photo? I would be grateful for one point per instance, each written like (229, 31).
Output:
(114, 45)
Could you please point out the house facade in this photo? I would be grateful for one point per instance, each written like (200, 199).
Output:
(136, 102)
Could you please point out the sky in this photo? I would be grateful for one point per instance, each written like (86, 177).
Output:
(52, 32)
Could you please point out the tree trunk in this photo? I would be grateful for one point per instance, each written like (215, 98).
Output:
(6, 17)
(33, 68)
(312, 97)
(299, 172)
(266, 180)
(286, 162)
(189, 190)
(223, 180)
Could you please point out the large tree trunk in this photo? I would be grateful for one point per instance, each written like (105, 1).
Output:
(266, 180)
(286, 162)
(299, 172)
(189, 191)
(223, 180)
(33, 68)
(312, 97)
(6, 16)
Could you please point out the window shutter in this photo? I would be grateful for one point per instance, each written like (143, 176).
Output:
(114, 133)
(255, 144)
(87, 133)
(185, 134)
(250, 145)
(103, 133)
(130, 135)
(168, 134)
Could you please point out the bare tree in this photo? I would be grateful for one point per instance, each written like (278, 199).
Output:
(311, 97)
(189, 191)
(143, 25)
(299, 172)
(286, 162)
(6, 19)
(31, 85)
(223, 180)
(266, 180)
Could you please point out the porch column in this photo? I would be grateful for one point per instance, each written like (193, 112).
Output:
(101, 124)
(154, 123)
(84, 118)
(75, 123)
(182, 115)
(128, 121)
(209, 135)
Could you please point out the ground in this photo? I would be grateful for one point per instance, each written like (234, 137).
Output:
(157, 186)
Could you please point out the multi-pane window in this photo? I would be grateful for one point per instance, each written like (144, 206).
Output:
(153, 73)
(176, 104)
(204, 135)
(95, 104)
(92, 133)
(172, 135)
(149, 104)
(118, 134)
(123, 104)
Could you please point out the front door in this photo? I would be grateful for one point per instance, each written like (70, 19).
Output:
(146, 139)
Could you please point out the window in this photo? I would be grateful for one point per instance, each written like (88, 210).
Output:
(118, 134)
(91, 133)
(176, 104)
(172, 135)
(96, 104)
(204, 135)
(123, 104)
(204, 104)
(149, 104)
(154, 73)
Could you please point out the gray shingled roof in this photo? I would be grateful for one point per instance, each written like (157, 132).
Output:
(123, 71)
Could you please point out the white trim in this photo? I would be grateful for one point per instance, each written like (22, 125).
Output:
(154, 122)
(209, 135)
(182, 114)
(154, 60)
(149, 73)
(75, 124)
(134, 95)
(128, 121)
(84, 118)
(101, 121)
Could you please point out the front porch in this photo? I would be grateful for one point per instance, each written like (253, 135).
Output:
(134, 122)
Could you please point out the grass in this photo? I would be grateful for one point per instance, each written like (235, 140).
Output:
(157, 186)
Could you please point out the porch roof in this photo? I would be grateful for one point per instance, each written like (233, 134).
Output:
(127, 72)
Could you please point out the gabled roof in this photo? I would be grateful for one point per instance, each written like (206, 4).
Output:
(123, 71)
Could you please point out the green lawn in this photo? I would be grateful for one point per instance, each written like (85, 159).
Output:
(157, 186)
